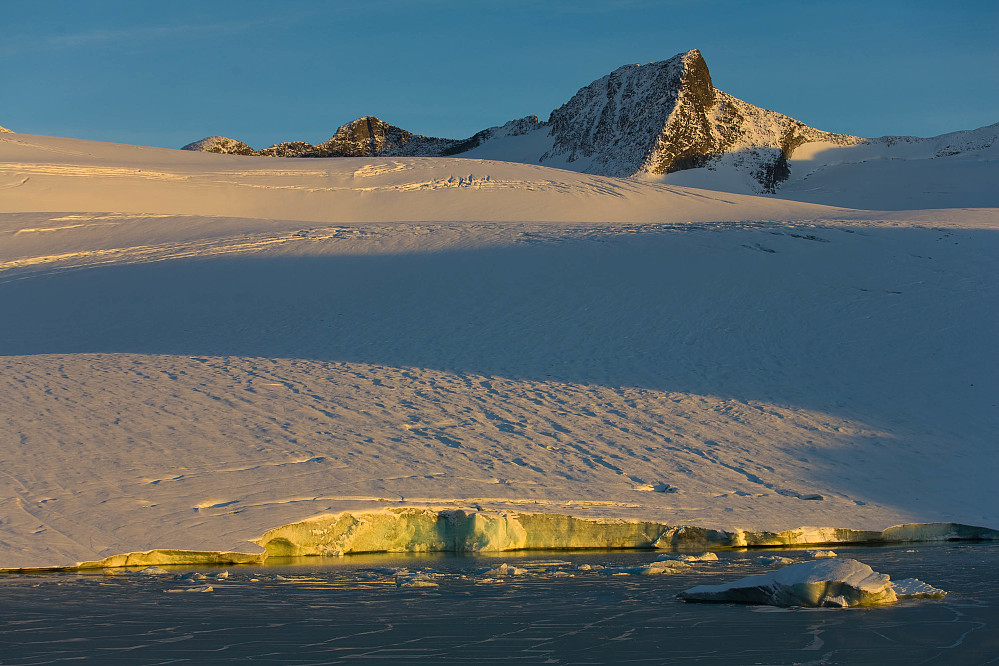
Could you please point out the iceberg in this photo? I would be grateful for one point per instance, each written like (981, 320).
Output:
(837, 583)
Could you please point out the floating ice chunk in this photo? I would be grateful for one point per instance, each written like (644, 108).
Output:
(913, 588)
(700, 557)
(192, 576)
(652, 569)
(152, 571)
(223, 575)
(545, 564)
(504, 570)
(830, 582)
(820, 554)
(200, 588)
(417, 582)
(774, 560)
(414, 580)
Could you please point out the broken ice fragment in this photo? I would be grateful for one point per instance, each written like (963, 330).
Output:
(774, 559)
(652, 569)
(829, 582)
(200, 588)
(504, 570)
(686, 557)
(913, 588)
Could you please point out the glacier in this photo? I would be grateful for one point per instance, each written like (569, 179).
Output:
(198, 349)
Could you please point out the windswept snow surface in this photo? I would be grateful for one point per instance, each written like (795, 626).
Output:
(196, 349)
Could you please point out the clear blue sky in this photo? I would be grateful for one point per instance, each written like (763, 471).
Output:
(167, 73)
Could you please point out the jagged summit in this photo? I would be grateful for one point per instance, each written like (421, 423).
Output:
(647, 120)
(617, 123)
(668, 116)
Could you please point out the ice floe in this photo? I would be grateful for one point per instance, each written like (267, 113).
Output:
(824, 583)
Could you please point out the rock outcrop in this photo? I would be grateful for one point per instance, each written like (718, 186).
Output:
(222, 145)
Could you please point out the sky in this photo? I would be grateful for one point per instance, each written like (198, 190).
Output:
(169, 73)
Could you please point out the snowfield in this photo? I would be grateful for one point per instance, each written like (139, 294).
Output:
(198, 349)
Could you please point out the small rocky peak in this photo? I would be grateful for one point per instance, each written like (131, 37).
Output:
(4, 129)
(220, 144)
(365, 137)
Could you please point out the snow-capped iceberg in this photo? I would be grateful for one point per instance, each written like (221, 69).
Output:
(831, 582)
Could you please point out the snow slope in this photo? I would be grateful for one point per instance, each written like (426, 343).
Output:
(889, 173)
(196, 349)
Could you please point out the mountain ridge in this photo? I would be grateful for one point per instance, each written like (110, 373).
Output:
(647, 120)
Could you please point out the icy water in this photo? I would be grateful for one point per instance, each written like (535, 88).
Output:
(360, 609)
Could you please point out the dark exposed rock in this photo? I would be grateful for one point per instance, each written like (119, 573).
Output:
(220, 144)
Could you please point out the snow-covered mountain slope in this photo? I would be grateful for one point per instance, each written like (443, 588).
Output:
(196, 349)
(889, 173)
(45, 173)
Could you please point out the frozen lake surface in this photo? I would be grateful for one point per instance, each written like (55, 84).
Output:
(312, 611)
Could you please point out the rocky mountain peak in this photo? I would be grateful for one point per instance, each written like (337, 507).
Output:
(667, 116)
(364, 137)
(220, 144)
(4, 129)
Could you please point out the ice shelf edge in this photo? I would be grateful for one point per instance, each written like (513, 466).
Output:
(416, 530)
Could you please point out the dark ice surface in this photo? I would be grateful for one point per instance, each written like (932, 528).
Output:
(319, 611)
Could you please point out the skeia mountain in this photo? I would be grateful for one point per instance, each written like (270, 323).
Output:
(651, 121)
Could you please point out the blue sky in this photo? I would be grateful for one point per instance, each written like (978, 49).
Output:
(167, 73)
